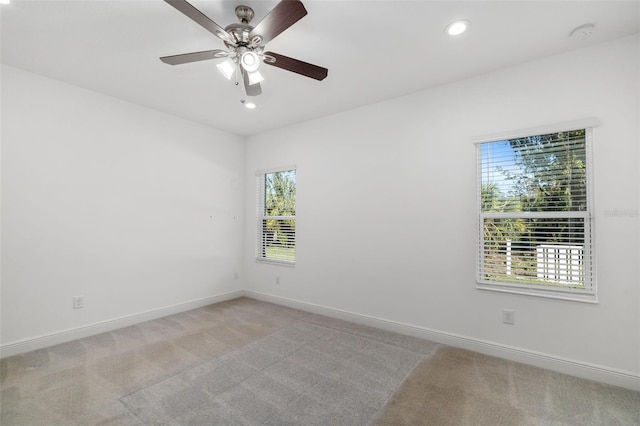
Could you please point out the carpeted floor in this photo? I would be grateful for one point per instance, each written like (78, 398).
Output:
(247, 362)
(303, 374)
(459, 387)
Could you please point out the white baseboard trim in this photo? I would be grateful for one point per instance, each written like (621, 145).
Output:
(594, 372)
(40, 342)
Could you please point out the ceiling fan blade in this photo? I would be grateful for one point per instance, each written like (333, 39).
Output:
(200, 18)
(295, 65)
(285, 14)
(185, 58)
(251, 89)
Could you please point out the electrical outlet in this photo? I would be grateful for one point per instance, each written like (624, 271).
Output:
(509, 316)
(277, 279)
(78, 302)
(235, 276)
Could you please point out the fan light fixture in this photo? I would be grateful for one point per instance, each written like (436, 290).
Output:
(250, 61)
(227, 68)
(255, 78)
(457, 27)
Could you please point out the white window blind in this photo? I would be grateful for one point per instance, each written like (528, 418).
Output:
(535, 219)
(276, 216)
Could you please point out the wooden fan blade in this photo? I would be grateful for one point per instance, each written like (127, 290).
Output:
(297, 66)
(200, 18)
(285, 14)
(185, 58)
(251, 89)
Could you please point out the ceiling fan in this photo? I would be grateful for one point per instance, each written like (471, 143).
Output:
(246, 44)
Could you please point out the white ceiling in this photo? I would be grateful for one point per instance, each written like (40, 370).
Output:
(374, 50)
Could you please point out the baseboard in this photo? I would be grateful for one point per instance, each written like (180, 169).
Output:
(562, 365)
(40, 342)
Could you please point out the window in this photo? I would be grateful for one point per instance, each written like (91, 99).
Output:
(276, 201)
(534, 202)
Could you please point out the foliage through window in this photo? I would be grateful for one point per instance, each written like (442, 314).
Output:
(535, 215)
(277, 216)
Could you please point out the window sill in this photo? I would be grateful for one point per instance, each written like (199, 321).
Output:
(289, 263)
(573, 296)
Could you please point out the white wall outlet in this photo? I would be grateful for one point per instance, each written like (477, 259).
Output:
(509, 316)
(235, 276)
(78, 302)
(277, 279)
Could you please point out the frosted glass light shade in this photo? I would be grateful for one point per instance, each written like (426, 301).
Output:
(255, 77)
(227, 68)
(250, 61)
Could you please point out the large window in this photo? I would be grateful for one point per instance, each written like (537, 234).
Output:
(276, 201)
(535, 227)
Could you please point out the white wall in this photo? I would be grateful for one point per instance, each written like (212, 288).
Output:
(387, 215)
(131, 208)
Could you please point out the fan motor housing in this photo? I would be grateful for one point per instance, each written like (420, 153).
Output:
(240, 32)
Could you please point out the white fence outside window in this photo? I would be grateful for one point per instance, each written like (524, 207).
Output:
(561, 264)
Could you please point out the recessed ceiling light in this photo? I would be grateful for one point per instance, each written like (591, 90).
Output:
(5, 1)
(248, 104)
(457, 27)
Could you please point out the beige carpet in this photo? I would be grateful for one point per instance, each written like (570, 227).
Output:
(458, 387)
(305, 374)
(247, 362)
(241, 362)
(81, 382)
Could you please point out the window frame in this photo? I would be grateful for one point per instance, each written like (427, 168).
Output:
(587, 294)
(261, 217)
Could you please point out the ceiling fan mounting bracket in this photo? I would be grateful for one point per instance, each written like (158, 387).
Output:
(245, 14)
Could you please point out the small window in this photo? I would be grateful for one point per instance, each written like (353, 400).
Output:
(535, 219)
(276, 200)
